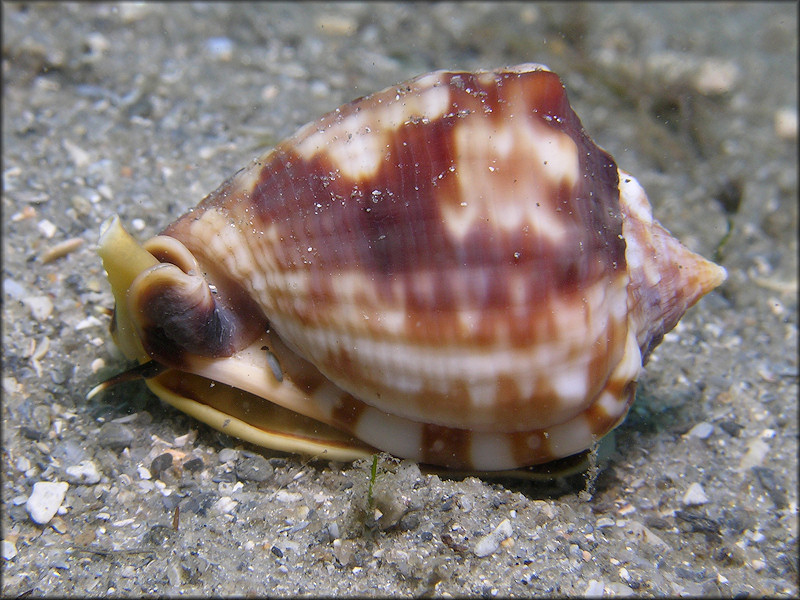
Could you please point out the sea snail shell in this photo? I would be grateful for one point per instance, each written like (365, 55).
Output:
(449, 270)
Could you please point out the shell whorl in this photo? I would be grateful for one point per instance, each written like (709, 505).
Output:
(450, 269)
(449, 251)
(666, 277)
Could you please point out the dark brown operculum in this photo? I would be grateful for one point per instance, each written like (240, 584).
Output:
(177, 312)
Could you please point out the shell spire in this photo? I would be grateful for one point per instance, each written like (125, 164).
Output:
(666, 277)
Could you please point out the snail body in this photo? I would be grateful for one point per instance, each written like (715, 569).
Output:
(449, 270)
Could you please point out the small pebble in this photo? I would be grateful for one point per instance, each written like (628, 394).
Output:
(656, 522)
(194, 464)
(40, 306)
(79, 156)
(9, 550)
(116, 436)
(621, 590)
(171, 501)
(182, 440)
(128, 572)
(408, 522)
(89, 321)
(715, 77)
(226, 477)
(32, 433)
(344, 550)
(14, 289)
(27, 212)
(701, 430)
(604, 522)
(757, 451)
(41, 349)
(645, 536)
(227, 455)
(253, 467)
(695, 495)
(333, 530)
(59, 525)
(771, 482)
(220, 47)
(85, 472)
(225, 505)
(626, 509)
(61, 249)
(174, 575)
(46, 228)
(192, 504)
(488, 544)
(732, 428)
(81, 204)
(97, 42)
(594, 589)
(45, 500)
(786, 123)
(161, 463)
(123, 522)
(691, 574)
(288, 497)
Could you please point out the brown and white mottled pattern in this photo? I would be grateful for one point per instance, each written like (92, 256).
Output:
(448, 258)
